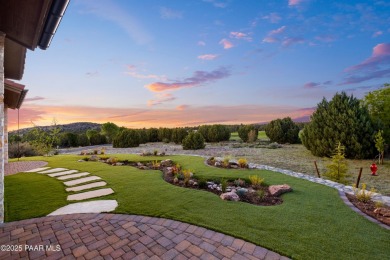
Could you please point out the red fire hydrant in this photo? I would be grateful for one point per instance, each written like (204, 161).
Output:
(373, 168)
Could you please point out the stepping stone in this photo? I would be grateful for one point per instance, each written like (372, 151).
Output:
(87, 186)
(54, 170)
(72, 176)
(62, 173)
(97, 206)
(38, 169)
(91, 194)
(82, 180)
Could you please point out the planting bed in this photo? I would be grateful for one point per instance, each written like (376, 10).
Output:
(381, 214)
(235, 190)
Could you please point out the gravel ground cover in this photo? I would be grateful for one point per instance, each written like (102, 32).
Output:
(292, 157)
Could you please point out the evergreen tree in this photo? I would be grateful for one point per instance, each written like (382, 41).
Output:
(282, 131)
(246, 131)
(337, 169)
(344, 120)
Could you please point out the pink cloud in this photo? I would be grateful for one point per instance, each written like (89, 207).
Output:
(376, 34)
(270, 39)
(226, 44)
(272, 17)
(201, 43)
(311, 85)
(294, 2)
(240, 36)
(207, 57)
(377, 74)
(380, 56)
(182, 107)
(161, 98)
(278, 31)
(199, 78)
(292, 40)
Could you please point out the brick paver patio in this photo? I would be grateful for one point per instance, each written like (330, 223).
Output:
(115, 236)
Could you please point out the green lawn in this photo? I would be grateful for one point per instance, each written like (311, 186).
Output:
(312, 223)
(234, 136)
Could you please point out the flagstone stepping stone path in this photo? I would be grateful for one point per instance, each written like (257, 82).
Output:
(72, 179)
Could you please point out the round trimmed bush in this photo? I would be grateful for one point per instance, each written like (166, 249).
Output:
(193, 141)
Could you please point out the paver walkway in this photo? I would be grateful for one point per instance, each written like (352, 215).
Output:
(114, 236)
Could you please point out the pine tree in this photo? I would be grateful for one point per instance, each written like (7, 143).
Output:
(337, 169)
(345, 120)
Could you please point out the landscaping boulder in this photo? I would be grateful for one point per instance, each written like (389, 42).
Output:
(167, 163)
(230, 196)
(94, 158)
(383, 212)
(277, 190)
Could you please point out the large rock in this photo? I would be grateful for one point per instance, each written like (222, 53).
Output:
(230, 196)
(167, 163)
(277, 190)
(382, 211)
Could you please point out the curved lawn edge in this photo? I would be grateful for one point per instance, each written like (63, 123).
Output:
(312, 221)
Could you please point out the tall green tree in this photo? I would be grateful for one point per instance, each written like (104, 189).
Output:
(378, 104)
(110, 130)
(344, 120)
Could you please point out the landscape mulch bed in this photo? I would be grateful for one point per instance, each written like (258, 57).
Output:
(368, 208)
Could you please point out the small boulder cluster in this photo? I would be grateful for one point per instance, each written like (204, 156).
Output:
(227, 163)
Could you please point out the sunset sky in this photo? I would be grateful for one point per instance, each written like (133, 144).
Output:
(175, 63)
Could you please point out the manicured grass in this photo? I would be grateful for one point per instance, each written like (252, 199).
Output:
(234, 136)
(312, 223)
(32, 195)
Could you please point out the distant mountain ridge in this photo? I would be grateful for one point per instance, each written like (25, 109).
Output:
(77, 128)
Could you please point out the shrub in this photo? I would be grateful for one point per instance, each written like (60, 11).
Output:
(344, 120)
(362, 194)
(282, 131)
(82, 140)
(164, 134)
(224, 185)
(178, 134)
(193, 141)
(245, 131)
(126, 138)
(239, 182)
(261, 194)
(256, 180)
(214, 133)
(143, 136)
(96, 139)
(152, 134)
(187, 176)
(337, 169)
(202, 183)
(21, 150)
(226, 161)
(243, 163)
